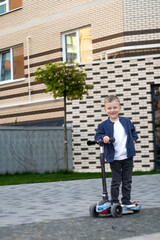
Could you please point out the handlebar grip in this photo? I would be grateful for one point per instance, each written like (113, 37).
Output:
(112, 140)
(89, 142)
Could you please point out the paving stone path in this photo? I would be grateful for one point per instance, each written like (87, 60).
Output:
(59, 210)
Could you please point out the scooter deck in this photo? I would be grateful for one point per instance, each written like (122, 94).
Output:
(105, 208)
(136, 208)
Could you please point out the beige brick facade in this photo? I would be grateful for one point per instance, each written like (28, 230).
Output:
(126, 80)
(114, 24)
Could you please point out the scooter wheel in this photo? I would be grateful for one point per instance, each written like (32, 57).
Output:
(116, 210)
(92, 210)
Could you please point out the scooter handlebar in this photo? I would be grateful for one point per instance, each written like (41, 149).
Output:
(89, 142)
(112, 140)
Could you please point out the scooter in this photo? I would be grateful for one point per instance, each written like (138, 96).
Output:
(105, 206)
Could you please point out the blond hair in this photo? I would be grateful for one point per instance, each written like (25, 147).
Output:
(111, 98)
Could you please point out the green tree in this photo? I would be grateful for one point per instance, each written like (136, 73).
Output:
(67, 81)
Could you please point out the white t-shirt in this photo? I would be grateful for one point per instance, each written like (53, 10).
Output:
(120, 141)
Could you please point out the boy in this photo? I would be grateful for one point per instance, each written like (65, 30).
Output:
(120, 153)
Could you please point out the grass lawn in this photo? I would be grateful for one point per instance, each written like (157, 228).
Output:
(25, 178)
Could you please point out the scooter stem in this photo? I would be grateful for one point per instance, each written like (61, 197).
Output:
(104, 185)
(102, 161)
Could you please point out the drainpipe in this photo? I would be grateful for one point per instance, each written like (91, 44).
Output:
(29, 80)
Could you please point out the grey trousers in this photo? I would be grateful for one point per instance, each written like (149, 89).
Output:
(121, 173)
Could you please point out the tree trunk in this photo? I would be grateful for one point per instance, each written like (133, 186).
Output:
(65, 137)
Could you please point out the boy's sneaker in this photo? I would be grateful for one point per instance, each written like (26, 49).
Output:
(129, 205)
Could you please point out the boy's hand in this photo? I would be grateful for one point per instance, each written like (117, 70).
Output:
(106, 139)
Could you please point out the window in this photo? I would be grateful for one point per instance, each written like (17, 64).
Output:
(9, 5)
(12, 64)
(77, 46)
(3, 6)
(5, 66)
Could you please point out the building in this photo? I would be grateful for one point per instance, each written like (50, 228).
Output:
(117, 42)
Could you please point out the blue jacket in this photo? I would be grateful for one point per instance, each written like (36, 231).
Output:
(106, 129)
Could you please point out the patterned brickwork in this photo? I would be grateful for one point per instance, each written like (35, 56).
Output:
(31, 112)
(38, 19)
(114, 24)
(141, 15)
(46, 26)
(130, 80)
(143, 18)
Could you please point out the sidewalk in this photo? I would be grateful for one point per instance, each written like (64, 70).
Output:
(155, 236)
(47, 202)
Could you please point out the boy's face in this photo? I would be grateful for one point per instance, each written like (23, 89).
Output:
(113, 109)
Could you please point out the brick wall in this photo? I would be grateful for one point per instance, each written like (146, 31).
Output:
(114, 23)
(32, 112)
(142, 18)
(44, 22)
(131, 80)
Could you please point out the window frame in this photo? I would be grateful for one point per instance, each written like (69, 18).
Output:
(6, 3)
(77, 42)
(78, 52)
(12, 80)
